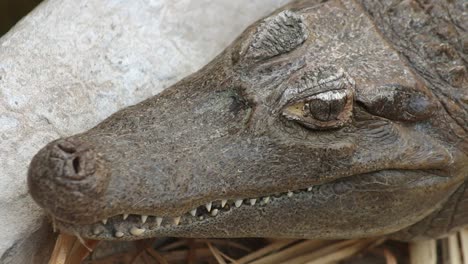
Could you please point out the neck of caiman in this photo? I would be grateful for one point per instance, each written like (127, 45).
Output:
(431, 36)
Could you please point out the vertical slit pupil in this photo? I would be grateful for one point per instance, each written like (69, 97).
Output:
(326, 110)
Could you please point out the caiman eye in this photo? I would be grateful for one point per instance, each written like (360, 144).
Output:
(326, 110)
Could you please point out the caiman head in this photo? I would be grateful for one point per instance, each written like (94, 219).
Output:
(309, 125)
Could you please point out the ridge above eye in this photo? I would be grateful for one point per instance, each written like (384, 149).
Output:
(273, 36)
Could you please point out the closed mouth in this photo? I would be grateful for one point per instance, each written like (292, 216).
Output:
(131, 226)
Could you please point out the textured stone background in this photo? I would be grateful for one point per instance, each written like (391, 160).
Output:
(71, 63)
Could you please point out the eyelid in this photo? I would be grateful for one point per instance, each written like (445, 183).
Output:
(331, 95)
(324, 95)
(302, 84)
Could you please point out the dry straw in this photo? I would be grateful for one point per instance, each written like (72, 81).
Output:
(450, 250)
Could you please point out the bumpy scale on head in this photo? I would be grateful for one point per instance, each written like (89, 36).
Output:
(277, 35)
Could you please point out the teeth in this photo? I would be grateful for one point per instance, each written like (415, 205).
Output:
(104, 221)
(144, 218)
(159, 221)
(176, 220)
(208, 206)
(137, 231)
(193, 212)
(125, 216)
(119, 234)
(97, 230)
(214, 212)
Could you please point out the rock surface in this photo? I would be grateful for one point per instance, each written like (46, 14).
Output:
(71, 63)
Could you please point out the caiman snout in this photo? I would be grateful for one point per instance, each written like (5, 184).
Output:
(67, 171)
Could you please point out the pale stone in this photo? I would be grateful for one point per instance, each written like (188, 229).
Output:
(71, 63)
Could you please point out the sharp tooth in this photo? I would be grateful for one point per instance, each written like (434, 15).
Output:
(214, 212)
(253, 201)
(266, 199)
(193, 212)
(119, 234)
(159, 221)
(125, 216)
(104, 221)
(290, 194)
(97, 230)
(223, 203)
(238, 203)
(143, 218)
(309, 189)
(137, 231)
(208, 206)
(176, 220)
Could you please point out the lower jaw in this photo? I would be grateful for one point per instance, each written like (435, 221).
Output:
(322, 211)
(136, 226)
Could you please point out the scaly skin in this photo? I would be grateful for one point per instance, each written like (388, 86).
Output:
(340, 119)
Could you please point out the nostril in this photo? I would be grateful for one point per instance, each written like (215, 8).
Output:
(67, 147)
(72, 159)
(76, 165)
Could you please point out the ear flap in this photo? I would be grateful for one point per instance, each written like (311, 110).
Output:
(274, 35)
